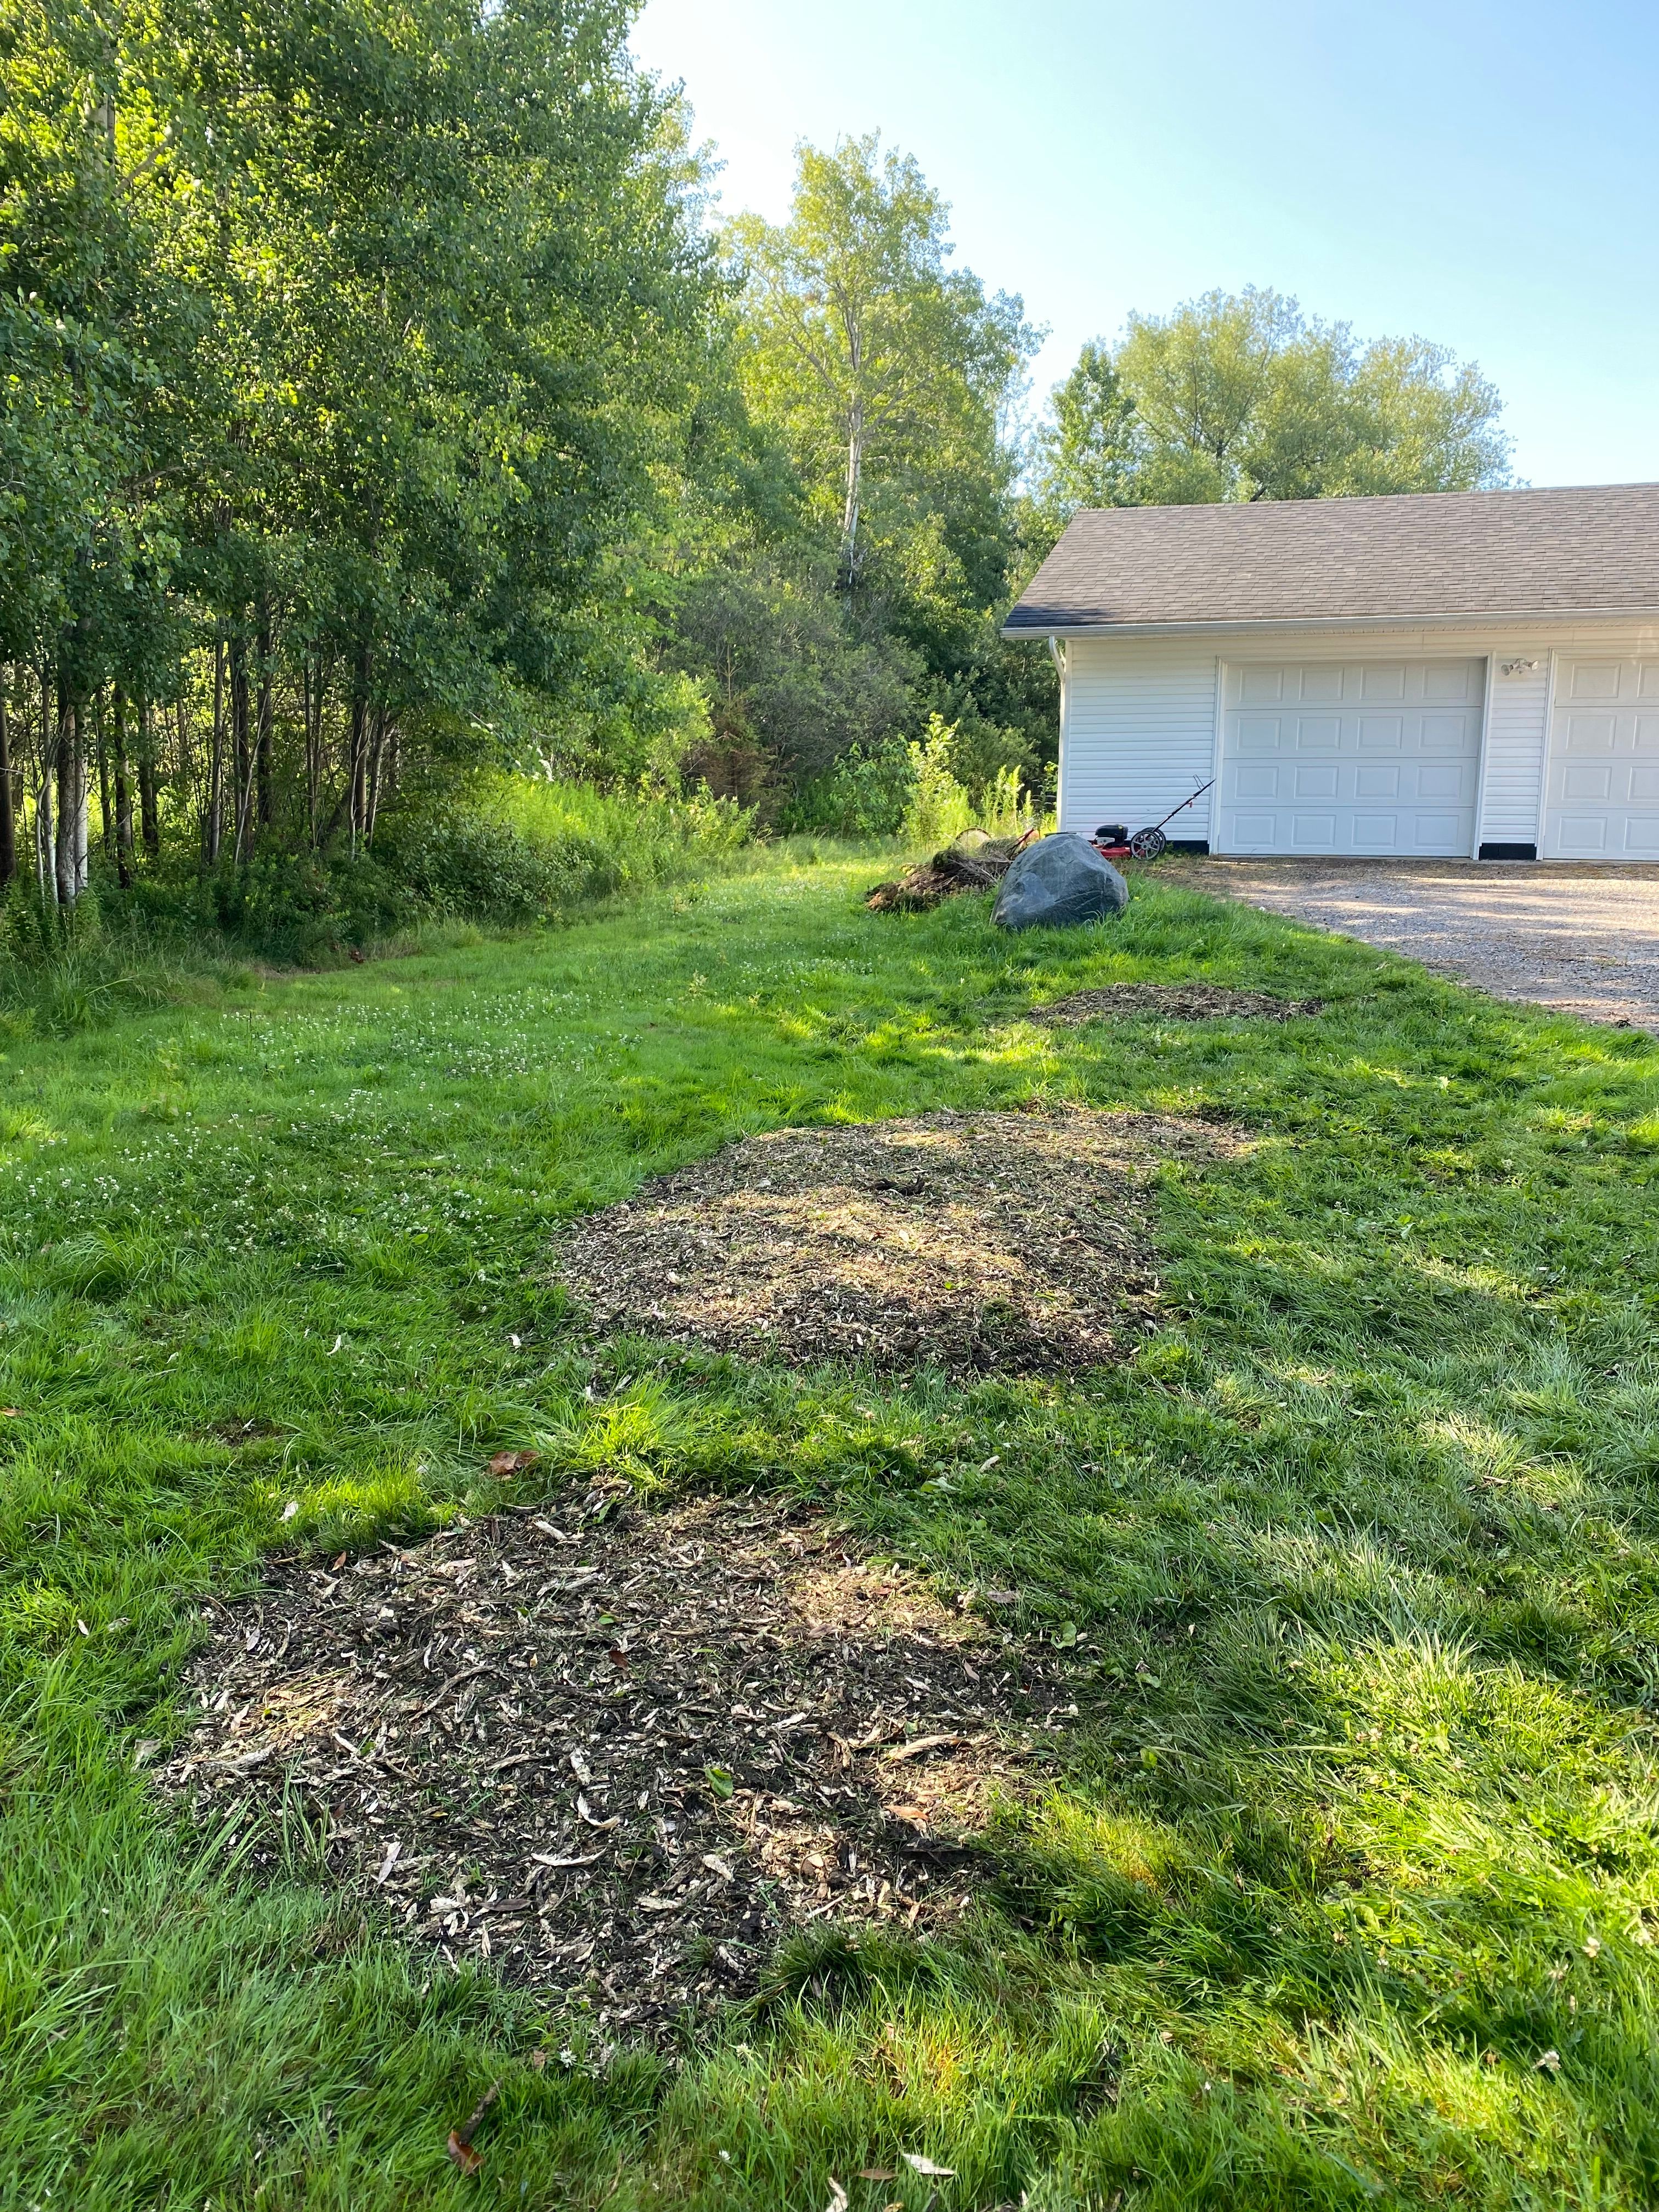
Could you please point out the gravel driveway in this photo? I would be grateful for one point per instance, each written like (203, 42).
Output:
(1583, 939)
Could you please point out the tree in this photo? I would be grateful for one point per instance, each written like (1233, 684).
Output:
(351, 355)
(1240, 397)
(875, 359)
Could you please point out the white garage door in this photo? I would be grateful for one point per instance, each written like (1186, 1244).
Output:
(1601, 796)
(1351, 756)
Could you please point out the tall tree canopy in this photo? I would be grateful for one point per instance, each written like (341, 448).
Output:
(1241, 397)
(357, 347)
(888, 373)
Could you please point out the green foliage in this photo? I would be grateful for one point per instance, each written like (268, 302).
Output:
(864, 794)
(1239, 396)
(938, 809)
(1344, 1890)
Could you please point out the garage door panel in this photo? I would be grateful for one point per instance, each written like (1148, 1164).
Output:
(1319, 686)
(1257, 735)
(1391, 766)
(1385, 682)
(1601, 785)
(1587, 782)
(1590, 733)
(1448, 681)
(1442, 780)
(1593, 679)
(1318, 734)
(1317, 782)
(1445, 733)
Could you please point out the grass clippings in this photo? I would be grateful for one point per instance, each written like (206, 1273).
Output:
(620, 1755)
(1017, 1244)
(1175, 1002)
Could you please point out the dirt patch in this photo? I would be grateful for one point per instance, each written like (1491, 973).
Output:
(620, 1754)
(1175, 1002)
(1011, 1243)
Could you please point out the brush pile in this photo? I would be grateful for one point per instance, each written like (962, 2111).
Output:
(974, 863)
(620, 1754)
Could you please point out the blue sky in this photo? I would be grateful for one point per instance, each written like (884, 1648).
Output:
(1486, 175)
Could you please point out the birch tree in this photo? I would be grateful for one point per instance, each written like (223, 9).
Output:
(862, 344)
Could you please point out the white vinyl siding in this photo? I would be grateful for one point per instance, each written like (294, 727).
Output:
(1140, 733)
(1517, 719)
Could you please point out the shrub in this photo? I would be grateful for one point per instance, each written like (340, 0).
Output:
(938, 808)
(864, 794)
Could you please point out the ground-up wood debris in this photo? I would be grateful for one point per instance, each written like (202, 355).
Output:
(1015, 1242)
(1175, 1002)
(974, 863)
(619, 1753)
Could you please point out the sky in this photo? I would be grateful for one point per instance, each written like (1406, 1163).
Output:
(1486, 176)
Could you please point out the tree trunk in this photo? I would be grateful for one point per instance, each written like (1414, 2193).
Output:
(106, 811)
(70, 854)
(263, 742)
(310, 744)
(376, 751)
(213, 826)
(8, 804)
(359, 765)
(849, 518)
(45, 844)
(149, 815)
(123, 792)
(239, 741)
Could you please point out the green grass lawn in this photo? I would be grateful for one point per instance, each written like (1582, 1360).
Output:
(1348, 1895)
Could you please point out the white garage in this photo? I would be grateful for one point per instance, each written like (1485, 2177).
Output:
(1601, 796)
(1443, 676)
(1351, 756)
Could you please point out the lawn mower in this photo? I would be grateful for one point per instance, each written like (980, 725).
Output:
(1113, 842)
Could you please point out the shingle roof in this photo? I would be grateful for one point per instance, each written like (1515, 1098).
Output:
(1587, 550)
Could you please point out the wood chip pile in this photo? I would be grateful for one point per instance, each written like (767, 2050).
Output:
(1175, 1002)
(1017, 1244)
(620, 1754)
(975, 864)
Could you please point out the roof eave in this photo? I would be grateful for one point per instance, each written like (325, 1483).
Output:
(1503, 618)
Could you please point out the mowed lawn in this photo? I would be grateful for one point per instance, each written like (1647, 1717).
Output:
(1349, 1893)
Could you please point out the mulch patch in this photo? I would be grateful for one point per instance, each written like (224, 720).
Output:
(620, 1753)
(1011, 1243)
(1176, 1002)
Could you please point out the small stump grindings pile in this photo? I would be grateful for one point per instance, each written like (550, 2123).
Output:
(620, 1754)
(1175, 1002)
(1011, 1243)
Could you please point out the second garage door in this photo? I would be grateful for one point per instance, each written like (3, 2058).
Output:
(1602, 798)
(1351, 756)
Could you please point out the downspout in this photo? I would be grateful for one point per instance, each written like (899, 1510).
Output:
(1057, 654)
